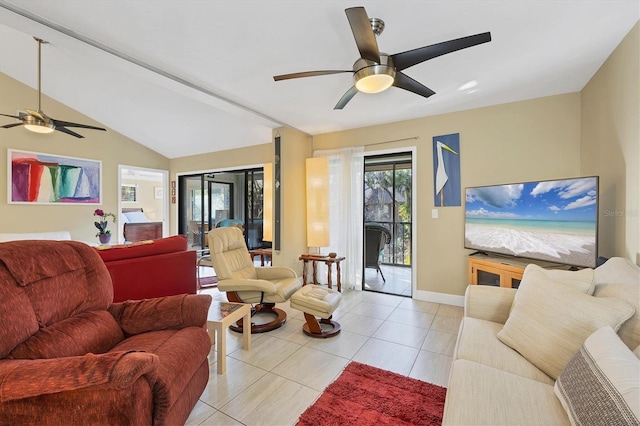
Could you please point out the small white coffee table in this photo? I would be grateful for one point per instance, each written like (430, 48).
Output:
(221, 316)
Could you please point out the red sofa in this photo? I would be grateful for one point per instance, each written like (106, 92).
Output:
(69, 356)
(156, 268)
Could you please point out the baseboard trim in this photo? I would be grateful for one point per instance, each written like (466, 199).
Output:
(432, 296)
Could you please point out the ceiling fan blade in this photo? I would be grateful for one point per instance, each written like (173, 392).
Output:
(405, 82)
(8, 126)
(70, 124)
(344, 100)
(410, 58)
(12, 116)
(362, 32)
(69, 132)
(308, 74)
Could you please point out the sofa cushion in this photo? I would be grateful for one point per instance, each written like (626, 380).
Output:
(549, 321)
(478, 341)
(601, 383)
(481, 395)
(620, 278)
(159, 246)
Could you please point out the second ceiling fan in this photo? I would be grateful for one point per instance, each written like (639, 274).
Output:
(38, 121)
(375, 71)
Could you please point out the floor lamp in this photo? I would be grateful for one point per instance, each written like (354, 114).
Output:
(317, 176)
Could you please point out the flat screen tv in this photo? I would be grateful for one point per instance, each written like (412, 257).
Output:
(552, 220)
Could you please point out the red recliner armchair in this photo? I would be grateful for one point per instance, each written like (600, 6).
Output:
(68, 355)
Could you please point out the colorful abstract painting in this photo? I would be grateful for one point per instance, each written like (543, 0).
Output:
(37, 178)
(446, 170)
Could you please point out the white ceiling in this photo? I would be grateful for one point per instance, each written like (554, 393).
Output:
(225, 53)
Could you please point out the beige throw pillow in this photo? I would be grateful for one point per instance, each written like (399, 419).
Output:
(582, 280)
(620, 278)
(550, 321)
(601, 383)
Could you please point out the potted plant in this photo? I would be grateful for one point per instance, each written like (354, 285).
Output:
(103, 233)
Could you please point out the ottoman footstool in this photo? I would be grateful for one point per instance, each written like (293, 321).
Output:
(315, 302)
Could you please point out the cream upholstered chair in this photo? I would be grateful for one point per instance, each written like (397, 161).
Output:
(245, 283)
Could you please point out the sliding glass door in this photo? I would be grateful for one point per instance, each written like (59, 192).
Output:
(206, 200)
(388, 223)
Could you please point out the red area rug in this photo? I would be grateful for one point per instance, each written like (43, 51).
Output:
(208, 281)
(365, 395)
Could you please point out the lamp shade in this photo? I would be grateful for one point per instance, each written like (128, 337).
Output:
(317, 173)
(267, 201)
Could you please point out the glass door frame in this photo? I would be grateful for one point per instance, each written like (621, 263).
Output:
(412, 151)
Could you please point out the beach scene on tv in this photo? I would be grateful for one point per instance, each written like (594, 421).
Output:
(554, 221)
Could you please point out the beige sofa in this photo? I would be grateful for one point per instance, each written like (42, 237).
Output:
(520, 354)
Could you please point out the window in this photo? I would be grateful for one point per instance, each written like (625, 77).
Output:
(129, 193)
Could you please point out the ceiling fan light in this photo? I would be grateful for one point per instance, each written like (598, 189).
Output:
(375, 78)
(374, 83)
(38, 126)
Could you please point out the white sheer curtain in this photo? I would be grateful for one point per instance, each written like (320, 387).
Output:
(345, 188)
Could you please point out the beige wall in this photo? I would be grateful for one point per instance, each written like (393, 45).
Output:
(294, 149)
(529, 140)
(611, 146)
(109, 147)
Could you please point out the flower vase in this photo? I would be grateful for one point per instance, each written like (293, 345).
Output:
(104, 238)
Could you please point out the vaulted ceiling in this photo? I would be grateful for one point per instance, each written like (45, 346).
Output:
(184, 77)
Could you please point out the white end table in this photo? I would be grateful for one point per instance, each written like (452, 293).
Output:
(221, 316)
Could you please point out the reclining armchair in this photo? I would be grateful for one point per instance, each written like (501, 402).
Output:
(263, 287)
(69, 356)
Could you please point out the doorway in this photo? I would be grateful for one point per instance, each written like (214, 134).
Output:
(207, 200)
(143, 189)
(387, 211)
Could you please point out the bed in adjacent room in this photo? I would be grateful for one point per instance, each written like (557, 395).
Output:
(137, 227)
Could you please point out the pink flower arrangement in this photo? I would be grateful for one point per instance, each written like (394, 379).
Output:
(103, 221)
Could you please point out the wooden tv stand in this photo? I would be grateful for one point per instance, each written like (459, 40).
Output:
(501, 271)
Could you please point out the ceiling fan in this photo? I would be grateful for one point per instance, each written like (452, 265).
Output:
(38, 121)
(376, 71)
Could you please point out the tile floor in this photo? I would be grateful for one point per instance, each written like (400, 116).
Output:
(397, 280)
(286, 371)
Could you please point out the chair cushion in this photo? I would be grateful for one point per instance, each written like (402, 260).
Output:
(315, 300)
(601, 383)
(180, 353)
(284, 289)
(43, 282)
(88, 332)
(229, 254)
